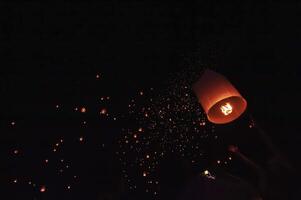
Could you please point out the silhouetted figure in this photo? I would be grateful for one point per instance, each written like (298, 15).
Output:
(223, 187)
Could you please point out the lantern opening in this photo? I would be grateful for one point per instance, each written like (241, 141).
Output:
(227, 110)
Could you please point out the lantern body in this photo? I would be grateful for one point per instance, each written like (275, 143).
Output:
(218, 97)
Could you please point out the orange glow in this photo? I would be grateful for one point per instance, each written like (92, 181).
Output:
(220, 100)
(83, 110)
(103, 111)
(226, 109)
(43, 189)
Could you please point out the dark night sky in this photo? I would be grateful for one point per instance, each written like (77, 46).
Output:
(51, 53)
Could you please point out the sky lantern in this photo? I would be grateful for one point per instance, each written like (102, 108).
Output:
(219, 98)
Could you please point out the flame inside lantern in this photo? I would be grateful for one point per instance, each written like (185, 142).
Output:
(226, 109)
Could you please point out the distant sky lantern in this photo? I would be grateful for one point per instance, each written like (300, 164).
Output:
(83, 109)
(43, 189)
(219, 98)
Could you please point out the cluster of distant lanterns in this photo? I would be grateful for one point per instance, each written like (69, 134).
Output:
(220, 100)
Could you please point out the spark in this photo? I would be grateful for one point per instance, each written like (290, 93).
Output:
(103, 111)
(43, 189)
(83, 110)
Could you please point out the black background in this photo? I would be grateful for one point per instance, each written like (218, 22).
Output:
(50, 54)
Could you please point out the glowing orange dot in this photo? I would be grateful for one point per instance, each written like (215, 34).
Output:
(144, 174)
(43, 189)
(83, 110)
(140, 129)
(103, 111)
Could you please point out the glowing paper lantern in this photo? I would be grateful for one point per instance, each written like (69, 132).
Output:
(219, 98)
